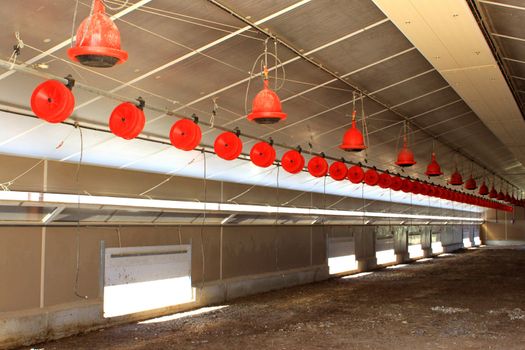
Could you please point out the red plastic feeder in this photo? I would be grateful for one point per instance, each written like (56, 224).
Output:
(385, 180)
(500, 196)
(262, 154)
(52, 101)
(406, 185)
(470, 184)
(416, 187)
(338, 171)
(228, 145)
(483, 189)
(405, 157)
(456, 179)
(371, 177)
(356, 174)
(433, 168)
(397, 183)
(353, 140)
(98, 41)
(127, 121)
(266, 107)
(292, 161)
(424, 189)
(317, 166)
(185, 134)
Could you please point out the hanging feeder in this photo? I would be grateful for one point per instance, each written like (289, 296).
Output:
(353, 140)
(98, 41)
(266, 107)
(317, 166)
(262, 154)
(493, 193)
(385, 180)
(405, 157)
(356, 174)
(456, 179)
(500, 196)
(397, 183)
(127, 120)
(53, 101)
(433, 168)
(228, 145)
(292, 161)
(483, 189)
(470, 184)
(371, 177)
(338, 171)
(185, 134)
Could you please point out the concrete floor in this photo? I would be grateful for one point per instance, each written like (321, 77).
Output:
(470, 300)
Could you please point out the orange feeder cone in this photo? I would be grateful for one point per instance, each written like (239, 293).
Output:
(266, 107)
(353, 140)
(98, 41)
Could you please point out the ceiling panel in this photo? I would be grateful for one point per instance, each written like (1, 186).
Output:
(164, 70)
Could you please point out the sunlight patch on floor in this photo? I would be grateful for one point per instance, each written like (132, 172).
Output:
(180, 315)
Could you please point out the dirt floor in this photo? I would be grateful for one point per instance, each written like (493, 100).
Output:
(471, 300)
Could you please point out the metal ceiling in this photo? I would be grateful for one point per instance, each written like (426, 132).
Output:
(183, 54)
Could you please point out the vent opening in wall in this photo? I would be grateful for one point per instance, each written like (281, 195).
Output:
(146, 278)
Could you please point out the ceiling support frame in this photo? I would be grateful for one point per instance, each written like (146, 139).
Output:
(322, 67)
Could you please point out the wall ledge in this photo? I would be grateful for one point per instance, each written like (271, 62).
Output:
(26, 327)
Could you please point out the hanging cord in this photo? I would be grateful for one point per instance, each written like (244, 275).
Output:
(232, 199)
(16, 50)
(119, 238)
(63, 141)
(205, 189)
(79, 165)
(275, 63)
(214, 112)
(324, 197)
(5, 186)
(275, 242)
(169, 178)
(278, 64)
(77, 268)
(86, 27)
(124, 4)
(277, 195)
(400, 136)
(364, 126)
(354, 110)
(75, 13)
(364, 204)
(390, 210)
